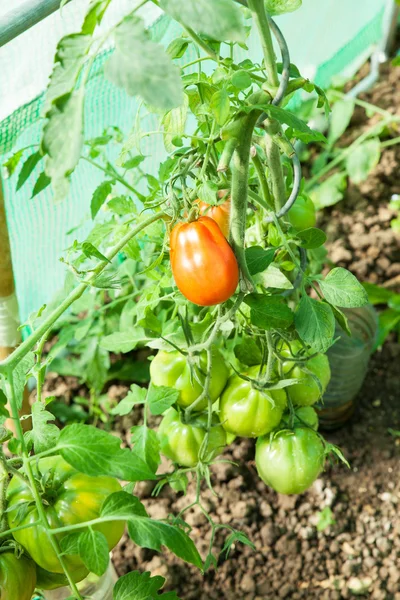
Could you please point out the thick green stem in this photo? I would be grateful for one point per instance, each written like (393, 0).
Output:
(266, 194)
(260, 18)
(240, 175)
(276, 172)
(11, 361)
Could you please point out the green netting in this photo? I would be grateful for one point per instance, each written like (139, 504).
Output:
(40, 230)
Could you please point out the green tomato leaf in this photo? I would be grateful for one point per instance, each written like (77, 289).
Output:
(148, 533)
(137, 395)
(220, 106)
(160, 398)
(311, 238)
(154, 77)
(94, 15)
(178, 47)
(4, 414)
(138, 586)
(99, 197)
(147, 446)
(173, 124)
(341, 114)
(388, 320)
(122, 205)
(93, 550)
(241, 80)
(341, 319)
(27, 168)
(218, 19)
(342, 288)
(150, 321)
(207, 192)
(69, 59)
(274, 278)
(124, 341)
(330, 191)
(279, 7)
(315, 323)
(363, 159)
(44, 435)
(258, 259)
(233, 538)
(300, 128)
(21, 374)
(12, 163)
(62, 140)
(269, 312)
(248, 352)
(91, 251)
(42, 183)
(95, 452)
(122, 504)
(70, 543)
(377, 294)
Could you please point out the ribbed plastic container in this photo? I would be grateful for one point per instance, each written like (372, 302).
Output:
(348, 359)
(95, 588)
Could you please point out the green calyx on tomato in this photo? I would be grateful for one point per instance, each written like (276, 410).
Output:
(290, 461)
(185, 443)
(308, 392)
(303, 415)
(17, 576)
(171, 369)
(69, 498)
(302, 214)
(249, 412)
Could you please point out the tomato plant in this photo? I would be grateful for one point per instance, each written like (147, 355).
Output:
(250, 412)
(203, 264)
(17, 576)
(182, 442)
(291, 460)
(208, 260)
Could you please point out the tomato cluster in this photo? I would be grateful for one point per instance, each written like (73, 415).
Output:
(69, 498)
(290, 454)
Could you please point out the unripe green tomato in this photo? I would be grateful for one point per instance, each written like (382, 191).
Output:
(291, 461)
(69, 498)
(302, 214)
(306, 393)
(181, 442)
(171, 369)
(247, 412)
(17, 576)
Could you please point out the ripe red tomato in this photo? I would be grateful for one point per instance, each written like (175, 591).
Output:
(220, 214)
(203, 263)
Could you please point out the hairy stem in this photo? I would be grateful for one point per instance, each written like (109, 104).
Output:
(260, 18)
(266, 194)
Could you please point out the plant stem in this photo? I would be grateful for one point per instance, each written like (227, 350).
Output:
(240, 176)
(391, 142)
(113, 174)
(276, 172)
(266, 194)
(257, 8)
(11, 361)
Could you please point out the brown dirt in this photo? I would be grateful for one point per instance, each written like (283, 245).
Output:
(360, 553)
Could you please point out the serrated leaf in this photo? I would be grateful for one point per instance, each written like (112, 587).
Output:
(96, 452)
(94, 15)
(269, 312)
(273, 277)
(315, 323)
(69, 59)
(258, 259)
(93, 550)
(154, 77)
(99, 197)
(122, 504)
(300, 127)
(311, 238)
(124, 341)
(138, 586)
(62, 140)
(219, 19)
(362, 159)
(134, 162)
(160, 398)
(233, 538)
(147, 446)
(70, 543)
(136, 395)
(27, 168)
(44, 435)
(342, 288)
(207, 192)
(341, 319)
(248, 352)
